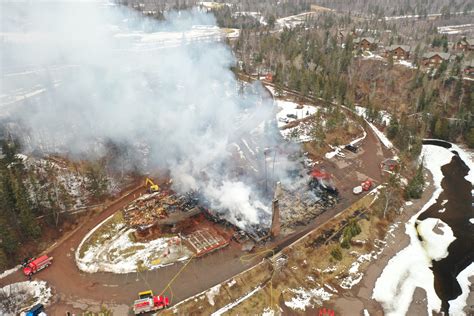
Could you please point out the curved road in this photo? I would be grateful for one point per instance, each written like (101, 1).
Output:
(73, 286)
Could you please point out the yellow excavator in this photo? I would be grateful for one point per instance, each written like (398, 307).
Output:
(151, 186)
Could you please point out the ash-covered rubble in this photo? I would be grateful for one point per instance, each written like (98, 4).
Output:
(164, 207)
(309, 192)
(256, 233)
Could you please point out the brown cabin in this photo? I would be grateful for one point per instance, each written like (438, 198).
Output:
(465, 44)
(434, 59)
(365, 43)
(398, 52)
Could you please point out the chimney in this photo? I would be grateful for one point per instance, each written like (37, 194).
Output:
(275, 228)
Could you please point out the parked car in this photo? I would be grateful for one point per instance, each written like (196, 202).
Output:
(352, 148)
(293, 116)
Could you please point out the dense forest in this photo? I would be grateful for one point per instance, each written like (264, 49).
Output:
(35, 199)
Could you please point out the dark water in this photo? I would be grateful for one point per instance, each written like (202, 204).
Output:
(459, 210)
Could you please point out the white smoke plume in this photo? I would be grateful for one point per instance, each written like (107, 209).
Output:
(78, 75)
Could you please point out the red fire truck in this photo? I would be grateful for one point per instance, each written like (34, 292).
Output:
(35, 265)
(147, 302)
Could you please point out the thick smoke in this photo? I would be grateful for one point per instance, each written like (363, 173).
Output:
(97, 73)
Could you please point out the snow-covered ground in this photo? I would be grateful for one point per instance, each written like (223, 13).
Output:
(294, 20)
(212, 5)
(8, 272)
(387, 143)
(417, 16)
(337, 150)
(455, 29)
(371, 55)
(301, 132)
(115, 250)
(410, 268)
(406, 63)
(18, 297)
(198, 33)
(384, 119)
(53, 175)
(305, 298)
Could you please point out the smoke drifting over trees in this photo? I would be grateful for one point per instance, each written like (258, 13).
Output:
(104, 74)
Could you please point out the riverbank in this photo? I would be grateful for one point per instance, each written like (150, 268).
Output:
(359, 298)
(434, 268)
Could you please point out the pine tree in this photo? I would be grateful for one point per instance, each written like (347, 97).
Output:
(97, 181)
(415, 186)
(29, 228)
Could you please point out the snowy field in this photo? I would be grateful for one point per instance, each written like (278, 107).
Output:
(294, 20)
(410, 268)
(17, 298)
(301, 132)
(142, 41)
(455, 29)
(110, 247)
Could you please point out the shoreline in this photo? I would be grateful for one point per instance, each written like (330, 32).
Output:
(359, 298)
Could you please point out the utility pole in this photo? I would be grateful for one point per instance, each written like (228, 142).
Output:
(266, 151)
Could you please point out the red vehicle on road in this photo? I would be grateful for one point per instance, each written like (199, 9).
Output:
(36, 265)
(147, 302)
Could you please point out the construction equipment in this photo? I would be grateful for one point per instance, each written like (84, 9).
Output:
(151, 186)
(147, 302)
(36, 265)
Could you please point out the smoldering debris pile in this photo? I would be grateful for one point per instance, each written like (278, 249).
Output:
(168, 208)
(300, 207)
(256, 233)
(164, 207)
(307, 196)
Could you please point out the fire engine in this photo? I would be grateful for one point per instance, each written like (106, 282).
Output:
(33, 266)
(147, 302)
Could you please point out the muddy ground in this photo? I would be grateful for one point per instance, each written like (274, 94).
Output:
(79, 291)
(359, 297)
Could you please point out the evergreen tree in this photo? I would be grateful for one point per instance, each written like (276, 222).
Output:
(97, 181)
(415, 186)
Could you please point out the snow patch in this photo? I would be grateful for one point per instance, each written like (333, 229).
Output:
(235, 303)
(118, 253)
(435, 244)
(381, 136)
(410, 268)
(303, 298)
(22, 296)
(8, 272)
(213, 291)
(457, 305)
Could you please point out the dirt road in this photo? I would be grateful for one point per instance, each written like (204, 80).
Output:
(77, 290)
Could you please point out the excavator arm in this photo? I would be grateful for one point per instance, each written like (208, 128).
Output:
(152, 187)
